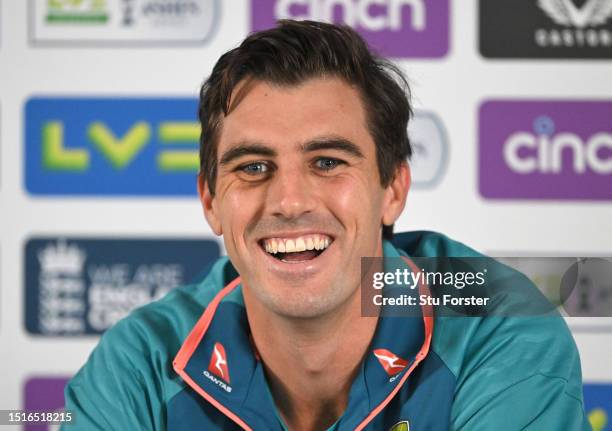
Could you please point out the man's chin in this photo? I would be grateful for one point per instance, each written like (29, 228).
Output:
(301, 300)
(303, 308)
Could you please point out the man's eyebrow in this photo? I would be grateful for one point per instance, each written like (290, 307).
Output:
(333, 143)
(246, 149)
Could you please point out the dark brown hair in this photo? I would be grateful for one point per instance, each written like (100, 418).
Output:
(294, 52)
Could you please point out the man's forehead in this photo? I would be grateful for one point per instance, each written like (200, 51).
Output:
(316, 109)
(254, 86)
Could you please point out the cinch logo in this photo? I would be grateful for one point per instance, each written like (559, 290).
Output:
(543, 150)
(218, 362)
(546, 28)
(397, 28)
(546, 150)
(357, 13)
(111, 146)
(391, 363)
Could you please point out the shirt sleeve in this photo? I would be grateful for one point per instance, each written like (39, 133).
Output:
(537, 403)
(116, 388)
(520, 374)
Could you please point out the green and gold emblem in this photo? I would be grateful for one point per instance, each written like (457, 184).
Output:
(400, 426)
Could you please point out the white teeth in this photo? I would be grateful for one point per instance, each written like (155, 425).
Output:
(294, 245)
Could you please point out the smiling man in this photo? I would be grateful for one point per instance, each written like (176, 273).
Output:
(303, 173)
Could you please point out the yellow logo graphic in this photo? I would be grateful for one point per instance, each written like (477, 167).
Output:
(120, 151)
(400, 426)
(77, 11)
(598, 419)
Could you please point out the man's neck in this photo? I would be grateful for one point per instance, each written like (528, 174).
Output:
(311, 363)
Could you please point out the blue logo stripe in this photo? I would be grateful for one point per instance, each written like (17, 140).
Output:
(104, 146)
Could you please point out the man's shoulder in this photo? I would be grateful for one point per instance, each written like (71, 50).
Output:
(513, 355)
(493, 354)
(424, 243)
(161, 326)
(520, 361)
(175, 314)
(514, 345)
(139, 348)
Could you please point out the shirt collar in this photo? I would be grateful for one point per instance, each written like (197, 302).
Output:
(219, 361)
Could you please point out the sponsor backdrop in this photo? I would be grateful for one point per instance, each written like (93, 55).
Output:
(99, 152)
(83, 286)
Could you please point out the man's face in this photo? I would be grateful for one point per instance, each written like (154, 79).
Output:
(298, 196)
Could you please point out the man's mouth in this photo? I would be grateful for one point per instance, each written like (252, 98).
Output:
(298, 249)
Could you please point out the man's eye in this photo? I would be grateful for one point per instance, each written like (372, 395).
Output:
(327, 164)
(255, 168)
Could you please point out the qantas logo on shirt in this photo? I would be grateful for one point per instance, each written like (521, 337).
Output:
(392, 363)
(218, 363)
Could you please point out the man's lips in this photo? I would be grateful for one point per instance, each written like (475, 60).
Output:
(296, 244)
(299, 248)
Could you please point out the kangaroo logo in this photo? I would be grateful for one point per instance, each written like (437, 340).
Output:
(218, 363)
(391, 363)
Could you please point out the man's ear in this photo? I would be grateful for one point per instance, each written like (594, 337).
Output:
(396, 194)
(209, 206)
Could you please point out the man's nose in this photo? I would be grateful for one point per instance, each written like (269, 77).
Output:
(290, 194)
